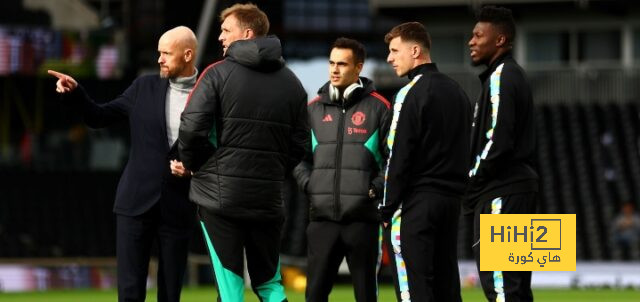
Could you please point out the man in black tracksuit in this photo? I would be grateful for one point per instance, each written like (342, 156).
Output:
(243, 130)
(503, 178)
(342, 177)
(426, 172)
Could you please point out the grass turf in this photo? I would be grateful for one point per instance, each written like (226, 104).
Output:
(339, 294)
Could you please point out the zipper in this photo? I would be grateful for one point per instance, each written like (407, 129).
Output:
(336, 184)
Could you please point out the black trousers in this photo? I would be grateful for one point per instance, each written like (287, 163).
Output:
(423, 237)
(503, 286)
(328, 243)
(228, 240)
(135, 238)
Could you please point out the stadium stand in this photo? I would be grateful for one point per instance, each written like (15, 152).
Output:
(588, 161)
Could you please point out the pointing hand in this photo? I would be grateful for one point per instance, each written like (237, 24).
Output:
(65, 82)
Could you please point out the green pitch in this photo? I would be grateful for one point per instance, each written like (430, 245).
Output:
(339, 294)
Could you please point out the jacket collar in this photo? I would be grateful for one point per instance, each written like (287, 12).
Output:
(422, 69)
(491, 68)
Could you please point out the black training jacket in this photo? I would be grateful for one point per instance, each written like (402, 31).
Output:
(348, 155)
(430, 150)
(244, 128)
(503, 140)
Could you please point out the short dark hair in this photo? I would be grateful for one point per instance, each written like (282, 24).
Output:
(359, 54)
(410, 31)
(249, 16)
(501, 18)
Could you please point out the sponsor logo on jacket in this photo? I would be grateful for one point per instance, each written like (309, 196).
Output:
(354, 130)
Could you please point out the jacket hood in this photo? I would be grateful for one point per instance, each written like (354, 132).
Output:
(367, 87)
(264, 54)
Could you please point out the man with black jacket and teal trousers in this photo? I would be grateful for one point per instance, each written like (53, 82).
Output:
(503, 177)
(342, 176)
(426, 171)
(243, 130)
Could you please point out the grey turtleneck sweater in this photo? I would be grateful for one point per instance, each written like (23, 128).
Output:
(177, 94)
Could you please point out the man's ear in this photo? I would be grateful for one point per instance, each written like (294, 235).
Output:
(249, 34)
(501, 41)
(359, 67)
(188, 55)
(416, 51)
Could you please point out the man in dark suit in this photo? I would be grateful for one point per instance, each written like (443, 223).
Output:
(151, 204)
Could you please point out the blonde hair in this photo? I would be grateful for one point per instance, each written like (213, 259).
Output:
(249, 16)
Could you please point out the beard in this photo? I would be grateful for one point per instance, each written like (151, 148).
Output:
(167, 73)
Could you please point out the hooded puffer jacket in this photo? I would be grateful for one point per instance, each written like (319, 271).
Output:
(348, 154)
(244, 128)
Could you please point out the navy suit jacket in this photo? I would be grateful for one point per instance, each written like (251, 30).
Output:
(146, 177)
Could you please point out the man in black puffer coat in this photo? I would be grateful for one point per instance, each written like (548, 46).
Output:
(342, 177)
(244, 128)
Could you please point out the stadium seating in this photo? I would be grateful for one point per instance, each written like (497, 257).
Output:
(589, 164)
(588, 160)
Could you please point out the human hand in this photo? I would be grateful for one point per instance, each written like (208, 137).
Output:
(65, 82)
(178, 170)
